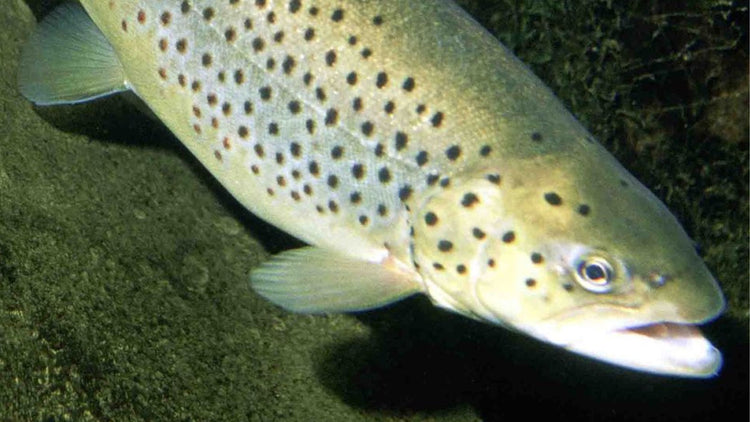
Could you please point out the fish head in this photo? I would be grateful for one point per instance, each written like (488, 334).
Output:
(576, 253)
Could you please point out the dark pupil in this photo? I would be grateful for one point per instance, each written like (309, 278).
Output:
(595, 272)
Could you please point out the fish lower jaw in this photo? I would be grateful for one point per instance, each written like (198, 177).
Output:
(664, 348)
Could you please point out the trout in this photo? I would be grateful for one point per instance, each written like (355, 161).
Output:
(413, 153)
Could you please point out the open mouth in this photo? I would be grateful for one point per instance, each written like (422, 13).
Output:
(662, 348)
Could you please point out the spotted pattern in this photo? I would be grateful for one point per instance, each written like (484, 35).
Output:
(323, 122)
(274, 112)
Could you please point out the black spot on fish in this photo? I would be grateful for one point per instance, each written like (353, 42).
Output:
(367, 128)
(584, 209)
(294, 107)
(294, 6)
(445, 245)
(421, 158)
(494, 178)
(358, 171)
(382, 210)
(537, 258)
(381, 80)
(437, 119)
(258, 148)
(453, 152)
(552, 198)
(265, 93)
(337, 15)
(333, 181)
(332, 117)
(469, 200)
(408, 84)
(478, 233)
(351, 78)
(165, 18)
(401, 140)
(430, 218)
(313, 168)
(295, 149)
(357, 104)
(384, 175)
(230, 35)
(536, 137)
(509, 237)
(181, 45)
(258, 44)
(239, 76)
(331, 58)
(405, 192)
(309, 34)
(288, 65)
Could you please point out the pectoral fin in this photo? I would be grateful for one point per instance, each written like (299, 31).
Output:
(68, 60)
(314, 280)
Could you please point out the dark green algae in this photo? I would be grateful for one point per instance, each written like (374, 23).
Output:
(123, 265)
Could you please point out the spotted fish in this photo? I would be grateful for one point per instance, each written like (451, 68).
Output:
(413, 153)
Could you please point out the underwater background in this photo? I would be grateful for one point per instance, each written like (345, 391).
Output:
(124, 265)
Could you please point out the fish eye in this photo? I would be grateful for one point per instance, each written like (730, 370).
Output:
(594, 273)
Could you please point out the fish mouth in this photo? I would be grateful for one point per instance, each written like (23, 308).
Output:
(666, 348)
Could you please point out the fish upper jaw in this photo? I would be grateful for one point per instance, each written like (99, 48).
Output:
(663, 348)
(666, 347)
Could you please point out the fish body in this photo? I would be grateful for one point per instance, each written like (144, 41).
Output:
(413, 152)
